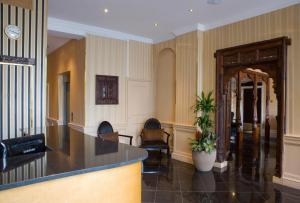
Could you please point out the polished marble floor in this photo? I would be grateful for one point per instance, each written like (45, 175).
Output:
(244, 181)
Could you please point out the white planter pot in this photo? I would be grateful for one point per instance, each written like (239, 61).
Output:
(204, 161)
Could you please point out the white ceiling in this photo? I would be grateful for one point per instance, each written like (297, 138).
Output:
(137, 17)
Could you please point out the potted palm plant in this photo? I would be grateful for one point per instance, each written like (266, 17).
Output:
(204, 144)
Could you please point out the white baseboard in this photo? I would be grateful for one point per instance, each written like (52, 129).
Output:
(53, 121)
(221, 165)
(288, 182)
(77, 127)
(184, 157)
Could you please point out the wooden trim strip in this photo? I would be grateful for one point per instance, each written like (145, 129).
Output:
(16, 77)
(23, 52)
(29, 71)
(1, 73)
(42, 63)
(19, 3)
(36, 67)
(8, 81)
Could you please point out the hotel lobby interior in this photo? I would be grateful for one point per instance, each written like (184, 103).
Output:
(155, 101)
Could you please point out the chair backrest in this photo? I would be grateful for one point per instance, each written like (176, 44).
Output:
(104, 128)
(152, 123)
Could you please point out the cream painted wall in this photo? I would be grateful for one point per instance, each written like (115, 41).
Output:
(186, 77)
(166, 86)
(133, 63)
(70, 57)
(182, 127)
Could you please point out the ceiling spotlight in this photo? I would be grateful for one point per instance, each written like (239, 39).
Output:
(214, 2)
(190, 10)
(105, 10)
(156, 24)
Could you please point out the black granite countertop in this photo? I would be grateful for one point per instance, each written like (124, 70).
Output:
(70, 153)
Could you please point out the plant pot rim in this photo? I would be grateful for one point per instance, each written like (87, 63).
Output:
(205, 151)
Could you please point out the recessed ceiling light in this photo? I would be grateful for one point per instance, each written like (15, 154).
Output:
(214, 2)
(105, 10)
(156, 24)
(191, 10)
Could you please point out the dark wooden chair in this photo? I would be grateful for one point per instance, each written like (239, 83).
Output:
(106, 128)
(152, 136)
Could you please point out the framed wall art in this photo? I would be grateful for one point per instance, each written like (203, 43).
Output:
(107, 89)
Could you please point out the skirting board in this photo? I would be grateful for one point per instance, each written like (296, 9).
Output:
(76, 127)
(54, 121)
(221, 165)
(184, 157)
(286, 182)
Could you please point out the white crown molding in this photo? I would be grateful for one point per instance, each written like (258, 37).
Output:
(186, 29)
(250, 14)
(70, 27)
(164, 39)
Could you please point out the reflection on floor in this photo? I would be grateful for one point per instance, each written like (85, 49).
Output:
(244, 181)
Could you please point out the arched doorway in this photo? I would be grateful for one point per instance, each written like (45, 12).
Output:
(270, 56)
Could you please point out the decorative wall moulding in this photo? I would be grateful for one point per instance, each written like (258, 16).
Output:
(107, 89)
(16, 61)
(185, 128)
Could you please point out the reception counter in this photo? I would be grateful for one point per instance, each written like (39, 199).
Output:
(75, 168)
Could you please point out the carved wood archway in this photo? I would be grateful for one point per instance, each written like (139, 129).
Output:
(270, 56)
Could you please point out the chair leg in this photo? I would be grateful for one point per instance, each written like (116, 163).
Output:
(168, 152)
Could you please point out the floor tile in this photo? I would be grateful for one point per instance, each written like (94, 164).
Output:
(168, 185)
(218, 197)
(148, 196)
(168, 197)
(194, 197)
(149, 185)
(250, 197)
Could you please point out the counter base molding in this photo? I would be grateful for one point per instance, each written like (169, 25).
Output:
(121, 184)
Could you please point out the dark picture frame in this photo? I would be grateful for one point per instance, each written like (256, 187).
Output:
(107, 90)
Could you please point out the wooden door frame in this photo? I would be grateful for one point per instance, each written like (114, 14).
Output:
(270, 56)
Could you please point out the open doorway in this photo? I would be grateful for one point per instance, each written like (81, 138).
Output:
(269, 57)
(251, 145)
(64, 98)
